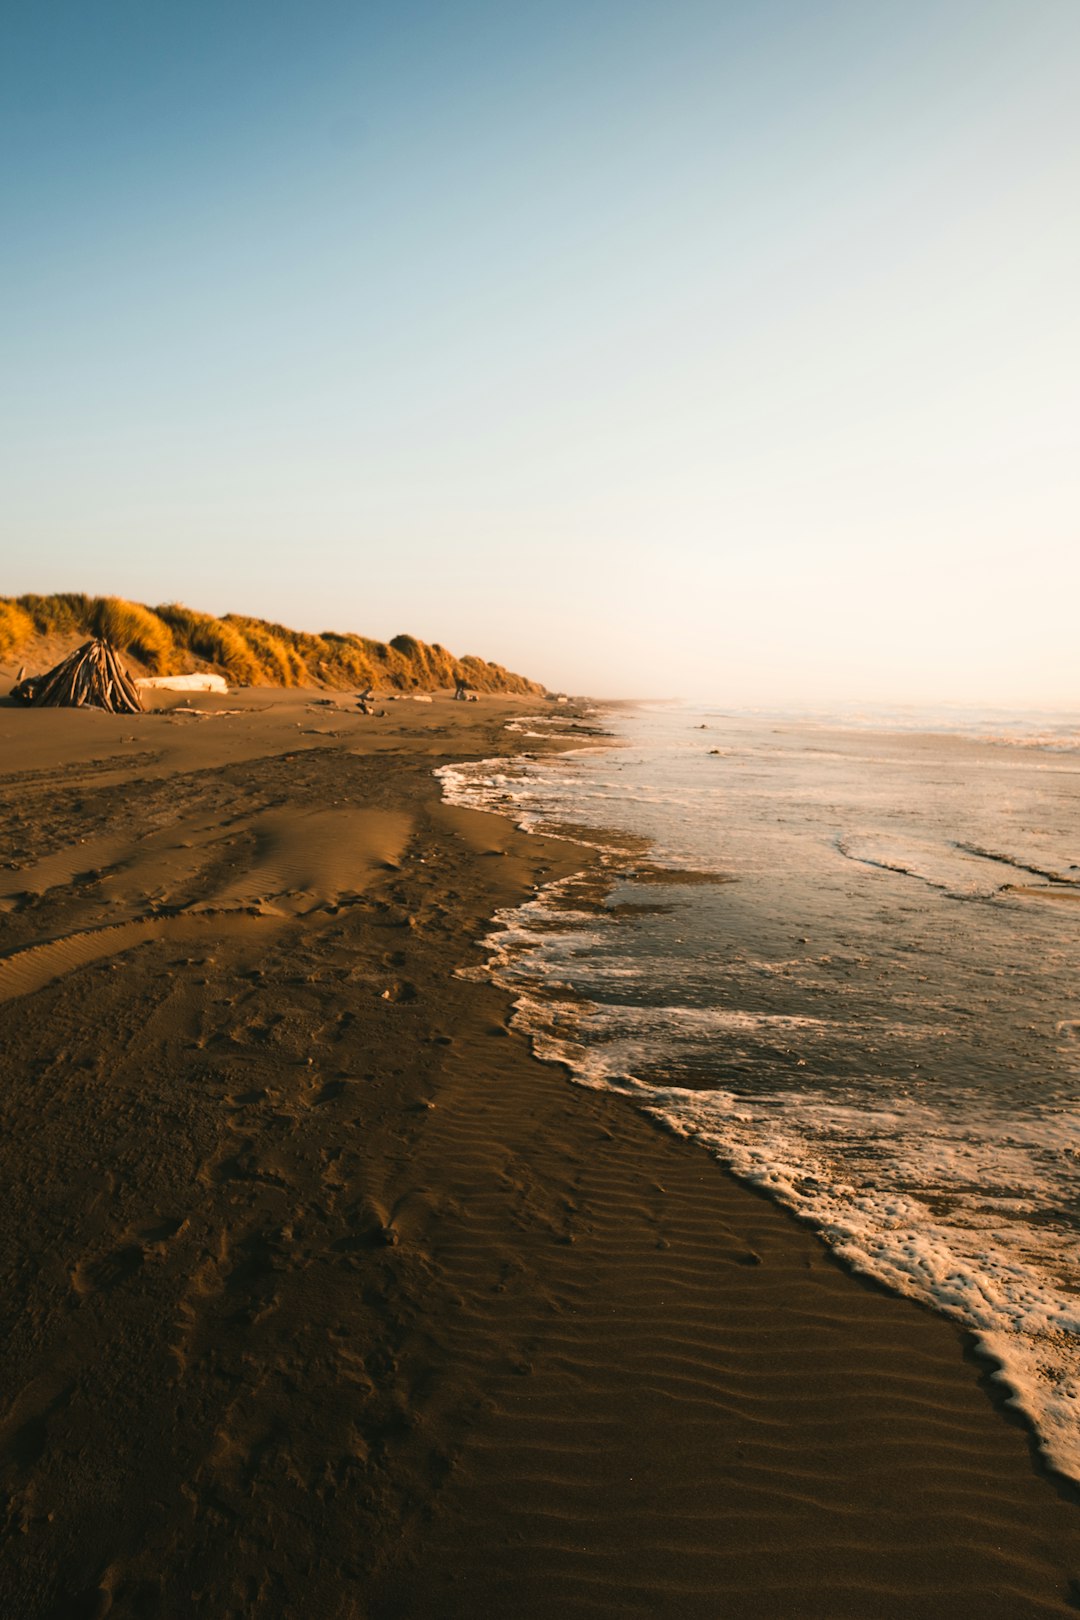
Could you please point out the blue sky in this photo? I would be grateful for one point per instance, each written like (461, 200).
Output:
(719, 350)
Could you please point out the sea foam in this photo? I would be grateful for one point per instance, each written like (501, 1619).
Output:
(953, 1185)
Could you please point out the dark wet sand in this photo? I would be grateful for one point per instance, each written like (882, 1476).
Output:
(322, 1298)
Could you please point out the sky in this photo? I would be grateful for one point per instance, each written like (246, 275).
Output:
(651, 347)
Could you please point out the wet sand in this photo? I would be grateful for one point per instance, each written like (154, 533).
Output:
(323, 1298)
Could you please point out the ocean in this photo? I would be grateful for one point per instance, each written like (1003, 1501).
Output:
(842, 955)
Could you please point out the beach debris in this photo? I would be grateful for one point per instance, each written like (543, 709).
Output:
(202, 681)
(92, 677)
(199, 714)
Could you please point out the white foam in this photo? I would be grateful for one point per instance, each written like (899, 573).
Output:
(514, 790)
(952, 1198)
(828, 1162)
(923, 1200)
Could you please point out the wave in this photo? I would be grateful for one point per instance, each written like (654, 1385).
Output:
(922, 1202)
(957, 868)
(1019, 865)
(955, 1196)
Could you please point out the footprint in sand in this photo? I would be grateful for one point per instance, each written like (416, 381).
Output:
(102, 1276)
(371, 1226)
(403, 991)
(161, 1230)
(246, 1099)
(331, 1091)
(27, 1423)
(140, 1244)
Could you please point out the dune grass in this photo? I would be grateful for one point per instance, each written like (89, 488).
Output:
(64, 613)
(136, 629)
(278, 660)
(172, 639)
(16, 626)
(216, 642)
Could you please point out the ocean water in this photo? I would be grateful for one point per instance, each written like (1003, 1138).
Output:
(848, 966)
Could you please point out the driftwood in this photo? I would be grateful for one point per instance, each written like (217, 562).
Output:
(91, 678)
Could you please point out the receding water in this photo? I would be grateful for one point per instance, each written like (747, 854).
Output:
(872, 1011)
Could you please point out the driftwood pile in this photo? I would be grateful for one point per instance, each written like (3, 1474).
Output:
(92, 677)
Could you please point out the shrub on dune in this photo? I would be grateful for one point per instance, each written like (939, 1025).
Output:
(428, 665)
(479, 673)
(128, 626)
(279, 663)
(488, 677)
(343, 662)
(300, 648)
(411, 650)
(445, 668)
(61, 613)
(16, 626)
(394, 668)
(135, 630)
(214, 640)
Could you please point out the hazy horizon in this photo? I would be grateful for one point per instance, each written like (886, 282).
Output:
(724, 351)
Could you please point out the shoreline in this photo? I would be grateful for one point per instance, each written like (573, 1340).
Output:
(552, 1037)
(330, 1298)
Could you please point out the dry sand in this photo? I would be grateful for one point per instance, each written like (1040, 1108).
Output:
(323, 1299)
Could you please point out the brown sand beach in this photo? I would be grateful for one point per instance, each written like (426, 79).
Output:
(323, 1298)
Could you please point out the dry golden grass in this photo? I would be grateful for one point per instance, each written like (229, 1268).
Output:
(280, 663)
(250, 652)
(487, 677)
(434, 664)
(16, 626)
(135, 629)
(60, 614)
(340, 660)
(216, 641)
